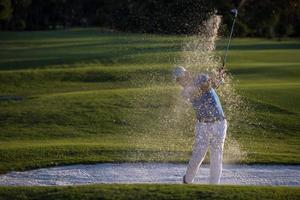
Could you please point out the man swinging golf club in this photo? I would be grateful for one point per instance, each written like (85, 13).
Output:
(211, 125)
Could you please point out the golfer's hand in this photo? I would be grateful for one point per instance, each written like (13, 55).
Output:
(222, 73)
(219, 78)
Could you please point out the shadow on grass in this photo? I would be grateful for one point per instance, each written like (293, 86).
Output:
(276, 46)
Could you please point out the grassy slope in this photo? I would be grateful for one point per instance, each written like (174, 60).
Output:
(150, 192)
(90, 96)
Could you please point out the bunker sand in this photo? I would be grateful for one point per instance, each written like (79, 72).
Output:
(286, 175)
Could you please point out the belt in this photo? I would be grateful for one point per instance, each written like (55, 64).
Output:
(211, 120)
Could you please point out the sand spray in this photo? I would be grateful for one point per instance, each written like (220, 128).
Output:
(171, 136)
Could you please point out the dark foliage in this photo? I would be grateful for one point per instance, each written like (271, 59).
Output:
(268, 18)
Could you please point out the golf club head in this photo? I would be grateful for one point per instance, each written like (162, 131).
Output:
(234, 11)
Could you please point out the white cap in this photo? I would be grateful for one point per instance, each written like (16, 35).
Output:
(178, 72)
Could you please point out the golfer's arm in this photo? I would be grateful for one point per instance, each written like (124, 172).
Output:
(201, 89)
(214, 82)
(206, 85)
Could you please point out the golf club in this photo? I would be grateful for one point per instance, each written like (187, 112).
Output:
(235, 13)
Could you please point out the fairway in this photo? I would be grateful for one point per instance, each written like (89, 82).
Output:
(147, 191)
(91, 96)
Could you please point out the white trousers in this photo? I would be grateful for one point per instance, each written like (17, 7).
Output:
(208, 135)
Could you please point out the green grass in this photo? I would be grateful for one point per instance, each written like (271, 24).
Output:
(87, 96)
(155, 191)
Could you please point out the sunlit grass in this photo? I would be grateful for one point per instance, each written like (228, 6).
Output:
(87, 96)
(150, 191)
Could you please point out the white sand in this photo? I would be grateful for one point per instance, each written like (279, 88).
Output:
(152, 173)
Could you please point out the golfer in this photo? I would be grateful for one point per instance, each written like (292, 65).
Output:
(211, 125)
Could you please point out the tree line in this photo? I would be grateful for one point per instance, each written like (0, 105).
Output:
(267, 18)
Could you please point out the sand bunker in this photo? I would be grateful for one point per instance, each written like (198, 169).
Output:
(152, 173)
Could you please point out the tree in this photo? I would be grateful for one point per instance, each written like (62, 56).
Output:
(5, 9)
(268, 18)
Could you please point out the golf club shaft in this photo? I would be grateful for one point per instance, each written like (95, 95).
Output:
(229, 40)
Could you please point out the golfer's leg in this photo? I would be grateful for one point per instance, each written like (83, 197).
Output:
(216, 151)
(199, 150)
